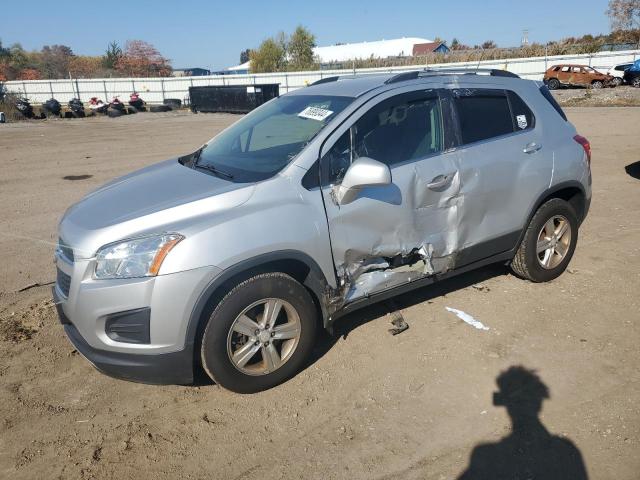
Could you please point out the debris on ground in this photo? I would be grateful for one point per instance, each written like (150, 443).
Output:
(465, 317)
(398, 321)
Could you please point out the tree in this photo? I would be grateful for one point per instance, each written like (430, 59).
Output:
(111, 56)
(29, 74)
(300, 49)
(244, 56)
(624, 14)
(141, 59)
(55, 61)
(270, 56)
(85, 66)
(488, 45)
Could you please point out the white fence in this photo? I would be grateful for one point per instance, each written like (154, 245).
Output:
(155, 90)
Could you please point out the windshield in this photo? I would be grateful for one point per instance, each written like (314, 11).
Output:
(268, 138)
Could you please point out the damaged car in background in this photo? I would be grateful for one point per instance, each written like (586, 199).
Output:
(322, 201)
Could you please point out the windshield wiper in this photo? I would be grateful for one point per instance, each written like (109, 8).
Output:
(214, 170)
(205, 166)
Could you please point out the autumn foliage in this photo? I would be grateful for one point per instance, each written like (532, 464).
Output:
(141, 59)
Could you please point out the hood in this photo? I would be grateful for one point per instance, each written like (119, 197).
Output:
(147, 201)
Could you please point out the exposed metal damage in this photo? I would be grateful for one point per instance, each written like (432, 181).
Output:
(420, 225)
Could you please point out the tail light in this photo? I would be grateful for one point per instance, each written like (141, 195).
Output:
(586, 145)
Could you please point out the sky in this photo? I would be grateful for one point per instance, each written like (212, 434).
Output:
(211, 34)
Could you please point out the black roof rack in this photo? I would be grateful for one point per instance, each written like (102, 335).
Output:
(413, 74)
(401, 77)
(325, 80)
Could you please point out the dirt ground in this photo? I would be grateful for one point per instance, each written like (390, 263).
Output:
(622, 96)
(370, 405)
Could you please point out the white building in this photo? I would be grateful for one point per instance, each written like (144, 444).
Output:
(399, 47)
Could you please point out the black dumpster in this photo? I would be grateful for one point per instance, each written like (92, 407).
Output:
(231, 98)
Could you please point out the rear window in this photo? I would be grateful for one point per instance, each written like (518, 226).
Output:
(483, 114)
(547, 94)
(622, 68)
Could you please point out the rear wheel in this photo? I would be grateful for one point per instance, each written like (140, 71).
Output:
(260, 334)
(553, 84)
(636, 82)
(597, 84)
(617, 81)
(548, 243)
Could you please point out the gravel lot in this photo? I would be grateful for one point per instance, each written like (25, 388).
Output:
(370, 405)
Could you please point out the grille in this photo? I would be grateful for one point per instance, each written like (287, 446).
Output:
(64, 282)
(65, 250)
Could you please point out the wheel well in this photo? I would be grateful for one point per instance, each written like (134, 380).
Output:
(297, 269)
(573, 195)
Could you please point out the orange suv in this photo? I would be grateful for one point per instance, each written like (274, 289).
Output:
(576, 75)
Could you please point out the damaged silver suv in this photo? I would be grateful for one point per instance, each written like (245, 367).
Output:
(319, 202)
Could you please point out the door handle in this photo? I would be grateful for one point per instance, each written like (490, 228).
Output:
(532, 147)
(440, 181)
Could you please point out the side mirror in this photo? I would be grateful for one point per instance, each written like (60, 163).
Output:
(364, 172)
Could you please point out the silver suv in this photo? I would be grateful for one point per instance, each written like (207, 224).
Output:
(319, 202)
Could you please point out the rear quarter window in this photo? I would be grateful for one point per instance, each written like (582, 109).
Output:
(521, 114)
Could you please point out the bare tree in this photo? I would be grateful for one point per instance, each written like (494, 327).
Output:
(624, 14)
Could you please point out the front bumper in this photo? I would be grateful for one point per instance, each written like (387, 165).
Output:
(162, 369)
(161, 353)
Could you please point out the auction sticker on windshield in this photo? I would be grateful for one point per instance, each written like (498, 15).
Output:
(315, 113)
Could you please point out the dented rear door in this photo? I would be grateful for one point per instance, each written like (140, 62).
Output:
(393, 234)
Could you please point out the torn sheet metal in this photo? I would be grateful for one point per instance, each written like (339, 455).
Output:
(466, 318)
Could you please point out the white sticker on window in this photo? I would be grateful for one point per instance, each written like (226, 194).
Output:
(522, 121)
(251, 89)
(315, 113)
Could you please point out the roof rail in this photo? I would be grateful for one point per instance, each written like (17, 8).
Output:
(494, 72)
(413, 74)
(325, 80)
(401, 77)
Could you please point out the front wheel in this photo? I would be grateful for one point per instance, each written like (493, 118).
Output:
(617, 81)
(260, 334)
(548, 243)
(636, 82)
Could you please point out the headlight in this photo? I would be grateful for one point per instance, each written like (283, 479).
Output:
(138, 257)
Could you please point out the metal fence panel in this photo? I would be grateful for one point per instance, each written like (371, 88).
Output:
(155, 90)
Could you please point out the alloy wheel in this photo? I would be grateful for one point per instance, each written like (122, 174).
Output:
(264, 336)
(553, 242)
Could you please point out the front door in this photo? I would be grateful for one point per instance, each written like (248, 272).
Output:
(396, 233)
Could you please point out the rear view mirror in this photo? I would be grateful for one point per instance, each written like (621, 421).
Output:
(364, 172)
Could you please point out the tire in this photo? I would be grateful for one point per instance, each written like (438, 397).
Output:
(79, 114)
(132, 110)
(553, 84)
(597, 84)
(159, 108)
(114, 113)
(219, 341)
(174, 103)
(636, 82)
(527, 263)
(617, 81)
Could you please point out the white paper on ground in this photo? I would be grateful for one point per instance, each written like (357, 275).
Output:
(465, 317)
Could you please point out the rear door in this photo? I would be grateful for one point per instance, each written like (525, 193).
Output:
(503, 166)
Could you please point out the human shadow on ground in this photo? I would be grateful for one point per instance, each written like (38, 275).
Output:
(530, 451)
(633, 169)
